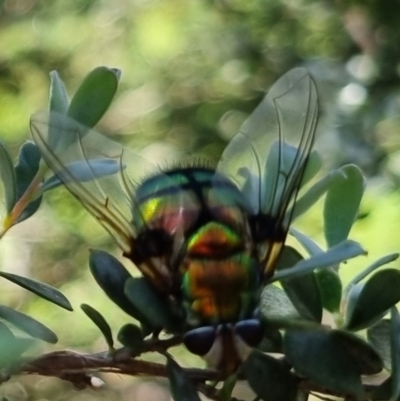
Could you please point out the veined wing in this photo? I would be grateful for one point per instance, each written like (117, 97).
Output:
(103, 176)
(268, 157)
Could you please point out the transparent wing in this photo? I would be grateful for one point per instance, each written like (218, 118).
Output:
(100, 173)
(268, 157)
(105, 177)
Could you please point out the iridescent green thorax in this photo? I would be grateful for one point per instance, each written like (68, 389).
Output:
(211, 251)
(190, 197)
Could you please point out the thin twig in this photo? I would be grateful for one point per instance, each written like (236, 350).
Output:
(60, 363)
(79, 369)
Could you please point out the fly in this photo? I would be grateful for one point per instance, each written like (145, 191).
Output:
(206, 238)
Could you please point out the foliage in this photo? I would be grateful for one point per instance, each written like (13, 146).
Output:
(316, 354)
(205, 64)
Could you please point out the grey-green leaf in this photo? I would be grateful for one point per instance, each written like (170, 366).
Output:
(337, 254)
(27, 324)
(182, 387)
(272, 340)
(154, 305)
(8, 178)
(58, 97)
(314, 164)
(83, 171)
(131, 336)
(98, 319)
(303, 291)
(23, 344)
(306, 242)
(112, 276)
(383, 391)
(371, 268)
(225, 394)
(319, 356)
(341, 205)
(93, 96)
(11, 347)
(379, 336)
(25, 170)
(39, 288)
(362, 354)
(7, 340)
(275, 304)
(269, 378)
(315, 192)
(372, 299)
(330, 288)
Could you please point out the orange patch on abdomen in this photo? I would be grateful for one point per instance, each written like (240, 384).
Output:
(215, 288)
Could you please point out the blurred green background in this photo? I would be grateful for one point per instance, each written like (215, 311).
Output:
(191, 73)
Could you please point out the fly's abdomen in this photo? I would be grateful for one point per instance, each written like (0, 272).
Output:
(220, 280)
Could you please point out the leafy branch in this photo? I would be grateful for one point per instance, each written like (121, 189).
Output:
(316, 355)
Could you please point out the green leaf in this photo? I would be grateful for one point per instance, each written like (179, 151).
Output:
(269, 378)
(11, 347)
(23, 344)
(329, 283)
(395, 352)
(39, 288)
(291, 324)
(7, 340)
(363, 355)
(182, 387)
(339, 253)
(93, 96)
(302, 395)
(58, 98)
(225, 394)
(155, 306)
(306, 242)
(27, 324)
(303, 291)
(98, 319)
(320, 356)
(379, 336)
(383, 391)
(146, 329)
(341, 205)
(314, 164)
(25, 170)
(315, 192)
(275, 304)
(368, 302)
(6, 335)
(7, 175)
(111, 276)
(272, 340)
(289, 257)
(131, 336)
(330, 287)
(83, 171)
(371, 268)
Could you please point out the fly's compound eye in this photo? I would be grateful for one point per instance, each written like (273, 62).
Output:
(251, 331)
(199, 341)
(152, 243)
